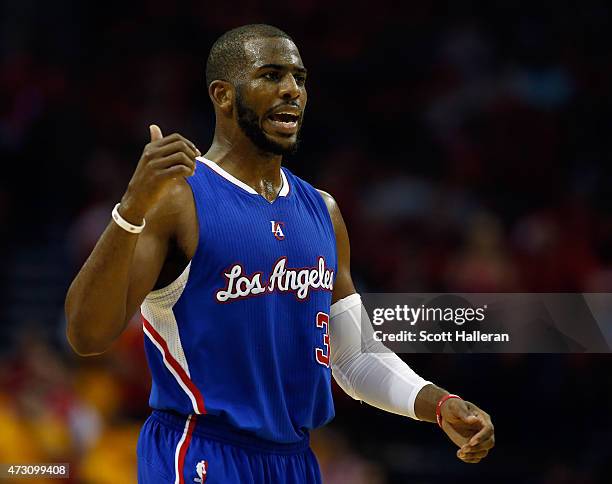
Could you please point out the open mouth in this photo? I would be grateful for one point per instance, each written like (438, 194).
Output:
(284, 122)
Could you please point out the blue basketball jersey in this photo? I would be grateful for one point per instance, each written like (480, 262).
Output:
(241, 335)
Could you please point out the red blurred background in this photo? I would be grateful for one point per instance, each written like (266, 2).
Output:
(467, 144)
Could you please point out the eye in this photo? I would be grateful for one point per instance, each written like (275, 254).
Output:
(300, 79)
(272, 76)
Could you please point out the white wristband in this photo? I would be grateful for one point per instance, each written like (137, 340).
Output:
(124, 224)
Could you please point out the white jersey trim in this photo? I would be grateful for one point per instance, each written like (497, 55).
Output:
(284, 191)
(164, 335)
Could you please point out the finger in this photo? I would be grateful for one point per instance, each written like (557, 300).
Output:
(461, 410)
(174, 159)
(472, 458)
(484, 434)
(176, 147)
(172, 138)
(469, 419)
(177, 171)
(486, 443)
(471, 461)
(472, 454)
(156, 133)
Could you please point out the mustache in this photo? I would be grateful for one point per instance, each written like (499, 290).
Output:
(291, 104)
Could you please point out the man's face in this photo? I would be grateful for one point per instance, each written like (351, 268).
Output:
(271, 95)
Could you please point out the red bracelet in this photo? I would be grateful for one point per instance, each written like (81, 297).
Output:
(439, 406)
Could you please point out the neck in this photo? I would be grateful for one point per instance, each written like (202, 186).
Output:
(238, 156)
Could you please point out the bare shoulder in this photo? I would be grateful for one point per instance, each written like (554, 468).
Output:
(326, 196)
(173, 218)
(343, 285)
(336, 217)
(170, 211)
(332, 207)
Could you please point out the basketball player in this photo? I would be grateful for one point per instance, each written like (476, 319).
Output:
(241, 272)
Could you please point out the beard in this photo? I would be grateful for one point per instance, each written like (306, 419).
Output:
(249, 123)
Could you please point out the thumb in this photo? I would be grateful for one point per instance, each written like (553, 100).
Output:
(156, 133)
(462, 413)
(470, 419)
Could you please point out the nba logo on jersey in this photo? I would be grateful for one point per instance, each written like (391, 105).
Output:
(277, 229)
(201, 468)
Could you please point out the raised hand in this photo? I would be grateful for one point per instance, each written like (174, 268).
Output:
(163, 161)
(469, 427)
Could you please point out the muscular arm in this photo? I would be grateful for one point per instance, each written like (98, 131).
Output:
(381, 378)
(429, 395)
(121, 270)
(124, 267)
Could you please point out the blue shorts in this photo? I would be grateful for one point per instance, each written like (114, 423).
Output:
(200, 449)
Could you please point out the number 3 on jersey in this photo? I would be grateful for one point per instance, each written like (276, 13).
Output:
(322, 355)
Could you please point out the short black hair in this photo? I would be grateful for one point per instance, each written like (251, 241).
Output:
(227, 55)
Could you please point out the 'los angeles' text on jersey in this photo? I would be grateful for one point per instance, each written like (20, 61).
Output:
(300, 281)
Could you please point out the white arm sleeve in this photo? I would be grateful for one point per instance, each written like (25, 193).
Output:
(378, 376)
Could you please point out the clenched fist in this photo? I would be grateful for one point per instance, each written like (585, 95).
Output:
(163, 161)
(470, 428)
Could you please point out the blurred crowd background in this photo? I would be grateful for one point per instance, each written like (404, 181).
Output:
(467, 144)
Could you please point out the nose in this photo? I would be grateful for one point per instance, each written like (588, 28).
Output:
(288, 87)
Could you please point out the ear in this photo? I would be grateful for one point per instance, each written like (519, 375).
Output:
(222, 95)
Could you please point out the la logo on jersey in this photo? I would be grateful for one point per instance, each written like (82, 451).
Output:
(202, 471)
(277, 229)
